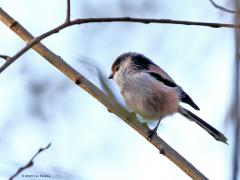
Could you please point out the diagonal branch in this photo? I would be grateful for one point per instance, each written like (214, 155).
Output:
(112, 106)
(30, 163)
(222, 8)
(12, 24)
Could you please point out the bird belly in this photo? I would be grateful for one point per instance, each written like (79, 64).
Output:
(153, 101)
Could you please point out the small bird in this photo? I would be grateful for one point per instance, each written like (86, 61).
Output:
(150, 92)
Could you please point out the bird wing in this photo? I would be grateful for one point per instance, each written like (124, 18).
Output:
(163, 77)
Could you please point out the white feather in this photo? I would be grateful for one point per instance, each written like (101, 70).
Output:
(147, 96)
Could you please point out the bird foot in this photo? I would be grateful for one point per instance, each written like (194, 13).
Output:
(151, 133)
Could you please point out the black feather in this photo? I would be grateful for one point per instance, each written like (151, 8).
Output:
(163, 80)
(141, 62)
(184, 96)
(187, 99)
(211, 130)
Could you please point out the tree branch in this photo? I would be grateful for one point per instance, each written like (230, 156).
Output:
(222, 8)
(68, 16)
(12, 24)
(30, 163)
(111, 105)
(5, 57)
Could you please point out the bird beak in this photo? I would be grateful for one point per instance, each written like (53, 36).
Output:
(111, 76)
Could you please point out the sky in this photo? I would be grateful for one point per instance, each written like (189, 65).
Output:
(40, 105)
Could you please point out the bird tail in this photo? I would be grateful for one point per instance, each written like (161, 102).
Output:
(211, 130)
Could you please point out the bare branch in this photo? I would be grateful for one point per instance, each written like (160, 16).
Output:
(68, 16)
(112, 106)
(12, 24)
(157, 21)
(223, 8)
(5, 57)
(30, 163)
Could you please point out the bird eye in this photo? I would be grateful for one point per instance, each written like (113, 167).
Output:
(117, 68)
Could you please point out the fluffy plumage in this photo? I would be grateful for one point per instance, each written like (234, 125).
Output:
(150, 92)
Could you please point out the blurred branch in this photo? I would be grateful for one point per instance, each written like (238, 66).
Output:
(236, 101)
(68, 16)
(109, 103)
(14, 25)
(30, 163)
(87, 63)
(222, 8)
(5, 57)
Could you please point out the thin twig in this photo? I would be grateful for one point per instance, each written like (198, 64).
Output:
(149, 20)
(68, 16)
(5, 57)
(32, 42)
(223, 8)
(112, 106)
(30, 163)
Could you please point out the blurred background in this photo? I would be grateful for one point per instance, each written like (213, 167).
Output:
(38, 104)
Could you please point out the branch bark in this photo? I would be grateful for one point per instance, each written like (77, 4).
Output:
(5, 57)
(112, 106)
(68, 16)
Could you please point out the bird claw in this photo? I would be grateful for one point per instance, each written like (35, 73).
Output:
(151, 133)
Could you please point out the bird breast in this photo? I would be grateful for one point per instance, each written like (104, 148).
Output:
(148, 97)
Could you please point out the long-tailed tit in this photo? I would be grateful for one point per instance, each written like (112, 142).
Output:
(150, 92)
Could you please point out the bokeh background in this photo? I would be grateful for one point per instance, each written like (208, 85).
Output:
(38, 104)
